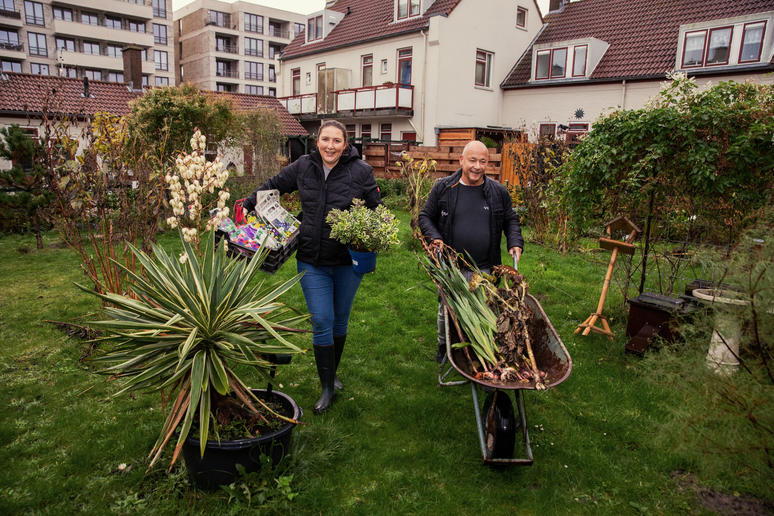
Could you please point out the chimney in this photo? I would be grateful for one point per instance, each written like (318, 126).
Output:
(85, 87)
(555, 5)
(133, 66)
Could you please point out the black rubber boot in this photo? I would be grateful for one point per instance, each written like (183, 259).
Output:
(325, 356)
(338, 344)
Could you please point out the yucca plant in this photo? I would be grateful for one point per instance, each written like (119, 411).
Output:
(191, 321)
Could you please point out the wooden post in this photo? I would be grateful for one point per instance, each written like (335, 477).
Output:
(615, 246)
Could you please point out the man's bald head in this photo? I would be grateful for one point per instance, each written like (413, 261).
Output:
(473, 161)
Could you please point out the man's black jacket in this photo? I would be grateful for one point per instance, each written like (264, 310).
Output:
(438, 215)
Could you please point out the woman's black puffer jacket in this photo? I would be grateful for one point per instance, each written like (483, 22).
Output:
(351, 178)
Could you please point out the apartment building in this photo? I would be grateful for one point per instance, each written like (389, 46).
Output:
(233, 47)
(85, 38)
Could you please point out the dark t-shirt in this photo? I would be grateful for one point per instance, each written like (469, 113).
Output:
(470, 233)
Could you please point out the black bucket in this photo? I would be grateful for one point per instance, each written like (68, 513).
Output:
(218, 465)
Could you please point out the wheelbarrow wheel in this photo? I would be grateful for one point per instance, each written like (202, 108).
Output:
(500, 425)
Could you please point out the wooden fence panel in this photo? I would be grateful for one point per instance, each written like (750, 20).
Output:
(383, 157)
(514, 153)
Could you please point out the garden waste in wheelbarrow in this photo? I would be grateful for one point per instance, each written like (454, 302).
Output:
(496, 422)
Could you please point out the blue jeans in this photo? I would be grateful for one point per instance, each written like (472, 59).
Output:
(329, 293)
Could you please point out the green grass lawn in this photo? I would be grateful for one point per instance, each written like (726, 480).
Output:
(394, 442)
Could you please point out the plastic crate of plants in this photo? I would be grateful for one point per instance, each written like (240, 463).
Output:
(270, 225)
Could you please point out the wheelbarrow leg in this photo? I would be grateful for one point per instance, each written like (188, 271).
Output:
(527, 460)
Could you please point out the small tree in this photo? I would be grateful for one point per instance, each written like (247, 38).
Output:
(168, 116)
(26, 183)
(418, 175)
(262, 139)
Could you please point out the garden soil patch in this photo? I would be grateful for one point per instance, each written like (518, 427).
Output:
(723, 503)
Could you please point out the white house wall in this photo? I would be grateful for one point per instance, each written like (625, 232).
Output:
(527, 108)
(453, 98)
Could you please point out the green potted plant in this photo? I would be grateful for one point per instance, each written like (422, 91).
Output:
(187, 329)
(365, 232)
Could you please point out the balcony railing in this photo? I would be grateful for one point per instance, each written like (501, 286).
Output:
(254, 76)
(10, 14)
(399, 97)
(300, 104)
(229, 48)
(7, 45)
(278, 33)
(34, 20)
(253, 52)
(231, 74)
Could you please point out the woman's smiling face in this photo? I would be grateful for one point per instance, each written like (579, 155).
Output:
(331, 143)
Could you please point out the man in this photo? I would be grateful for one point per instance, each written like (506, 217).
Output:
(469, 212)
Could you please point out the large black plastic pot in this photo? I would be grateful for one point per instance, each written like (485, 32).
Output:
(218, 465)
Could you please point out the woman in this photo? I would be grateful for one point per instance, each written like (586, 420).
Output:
(329, 177)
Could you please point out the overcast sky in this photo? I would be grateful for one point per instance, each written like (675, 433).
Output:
(304, 6)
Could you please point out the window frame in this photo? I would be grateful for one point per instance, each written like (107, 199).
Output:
(38, 18)
(113, 22)
(157, 38)
(69, 43)
(13, 66)
(91, 45)
(552, 136)
(88, 16)
(161, 80)
(258, 47)
(249, 87)
(295, 81)
(367, 64)
(314, 29)
(550, 52)
(41, 67)
(255, 28)
(405, 58)
(585, 59)
(521, 11)
(40, 51)
(365, 131)
(760, 46)
(65, 13)
(388, 132)
(730, 29)
(9, 41)
(410, 6)
(158, 61)
(487, 60)
(703, 48)
(253, 71)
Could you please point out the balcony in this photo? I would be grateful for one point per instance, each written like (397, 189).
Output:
(227, 48)
(11, 18)
(98, 32)
(228, 74)
(142, 10)
(386, 99)
(13, 50)
(279, 33)
(70, 58)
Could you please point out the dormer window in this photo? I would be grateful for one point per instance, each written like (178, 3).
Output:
(717, 42)
(315, 28)
(726, 42)
(752, 42)
(568, 60)
(408, 8)
(551, 64)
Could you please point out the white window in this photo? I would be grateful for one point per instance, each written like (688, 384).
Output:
(408, 8)
(160, 59)
(253, 90)
(38, 69)
(314, 29)
(752, 42)
(719, 46)
(483, 68)
(521, 17)
(551, 64)
(367, 65)
(37, 44)
(161, 81)
(579, 61)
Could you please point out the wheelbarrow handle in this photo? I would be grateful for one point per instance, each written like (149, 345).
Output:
(515, 261)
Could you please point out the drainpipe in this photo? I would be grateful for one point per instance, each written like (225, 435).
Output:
(623, 94)
(424, 90)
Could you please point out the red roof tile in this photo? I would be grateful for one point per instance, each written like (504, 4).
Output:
(642, 34)
(245, 102)
(26, 94)
(367, 20)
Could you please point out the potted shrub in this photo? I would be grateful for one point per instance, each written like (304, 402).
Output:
(365, 232)
(182, 332)
(186, 325)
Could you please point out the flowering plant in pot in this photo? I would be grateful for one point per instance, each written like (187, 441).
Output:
(364, 231)
(187, 329)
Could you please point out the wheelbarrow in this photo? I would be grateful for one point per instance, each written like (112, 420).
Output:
(496, 422)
